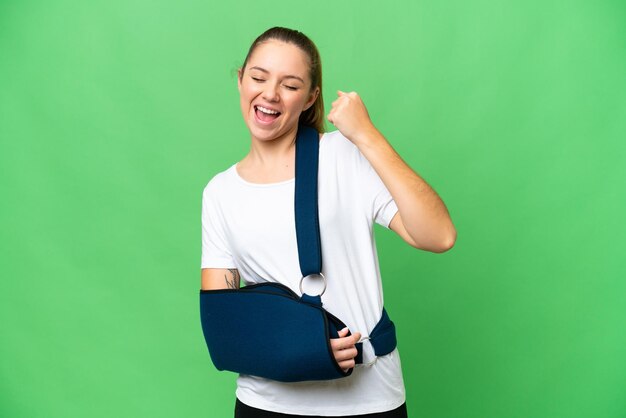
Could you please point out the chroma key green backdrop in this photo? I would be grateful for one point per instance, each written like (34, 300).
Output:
(115, 114)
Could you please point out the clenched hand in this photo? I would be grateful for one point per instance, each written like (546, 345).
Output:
(344, 349)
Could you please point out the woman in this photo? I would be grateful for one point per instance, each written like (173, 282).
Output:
(247, 219)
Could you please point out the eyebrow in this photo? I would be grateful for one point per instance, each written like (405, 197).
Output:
(287, 76)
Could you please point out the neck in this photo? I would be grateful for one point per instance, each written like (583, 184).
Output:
(275, 152)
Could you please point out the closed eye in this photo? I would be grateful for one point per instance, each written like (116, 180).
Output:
(257, 79)
(291, 87)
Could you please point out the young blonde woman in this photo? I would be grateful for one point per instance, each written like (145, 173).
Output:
(248, 223)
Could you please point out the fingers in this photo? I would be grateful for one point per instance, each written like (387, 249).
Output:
(350, 94)
(343, 98)
(335, 105)
(348, 114)
(346, 357)
(344, 342)
(347, 364)
(344, 348)
(346, 354)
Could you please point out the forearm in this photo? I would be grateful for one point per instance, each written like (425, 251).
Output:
(423, 213)
(213, 278)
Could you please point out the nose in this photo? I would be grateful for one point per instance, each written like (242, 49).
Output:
(270, 93)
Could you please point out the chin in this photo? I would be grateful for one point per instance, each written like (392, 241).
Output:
(261, 133)
(267, 133)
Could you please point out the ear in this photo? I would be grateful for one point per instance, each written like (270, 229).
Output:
(314, 94)
(239, 76)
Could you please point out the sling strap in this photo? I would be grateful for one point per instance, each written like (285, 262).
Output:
(383, 336)
(305, 203)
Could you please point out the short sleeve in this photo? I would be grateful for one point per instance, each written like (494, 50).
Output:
(215, 249)
(378, 201)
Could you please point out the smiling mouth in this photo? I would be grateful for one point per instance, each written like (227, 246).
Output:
(266, 115)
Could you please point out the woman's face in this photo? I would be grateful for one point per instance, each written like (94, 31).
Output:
(274, 89)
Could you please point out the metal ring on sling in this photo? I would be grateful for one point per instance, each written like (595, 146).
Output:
(320, 274)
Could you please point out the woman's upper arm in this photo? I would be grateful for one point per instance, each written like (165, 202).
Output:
(212, 279)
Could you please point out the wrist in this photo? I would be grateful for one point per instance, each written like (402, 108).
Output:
(367, 136)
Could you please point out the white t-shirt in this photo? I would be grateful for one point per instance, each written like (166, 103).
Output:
(251, 227)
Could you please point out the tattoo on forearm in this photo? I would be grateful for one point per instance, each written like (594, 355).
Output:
(233, 282)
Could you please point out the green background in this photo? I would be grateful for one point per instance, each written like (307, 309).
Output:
(115, 114)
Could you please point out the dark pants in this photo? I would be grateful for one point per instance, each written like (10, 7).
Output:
(244, 411)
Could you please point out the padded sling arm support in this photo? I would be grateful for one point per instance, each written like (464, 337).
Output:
(268, 330)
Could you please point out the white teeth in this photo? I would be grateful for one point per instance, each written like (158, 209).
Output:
(268, 111)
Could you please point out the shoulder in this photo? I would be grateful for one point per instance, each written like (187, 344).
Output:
(336, 138)
(335, 146)
(335, 142)
(220, 182)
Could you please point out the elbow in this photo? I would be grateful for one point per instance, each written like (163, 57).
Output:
(438, 241)
(446, 243)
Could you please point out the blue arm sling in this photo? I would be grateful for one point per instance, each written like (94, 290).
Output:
(266, 329)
